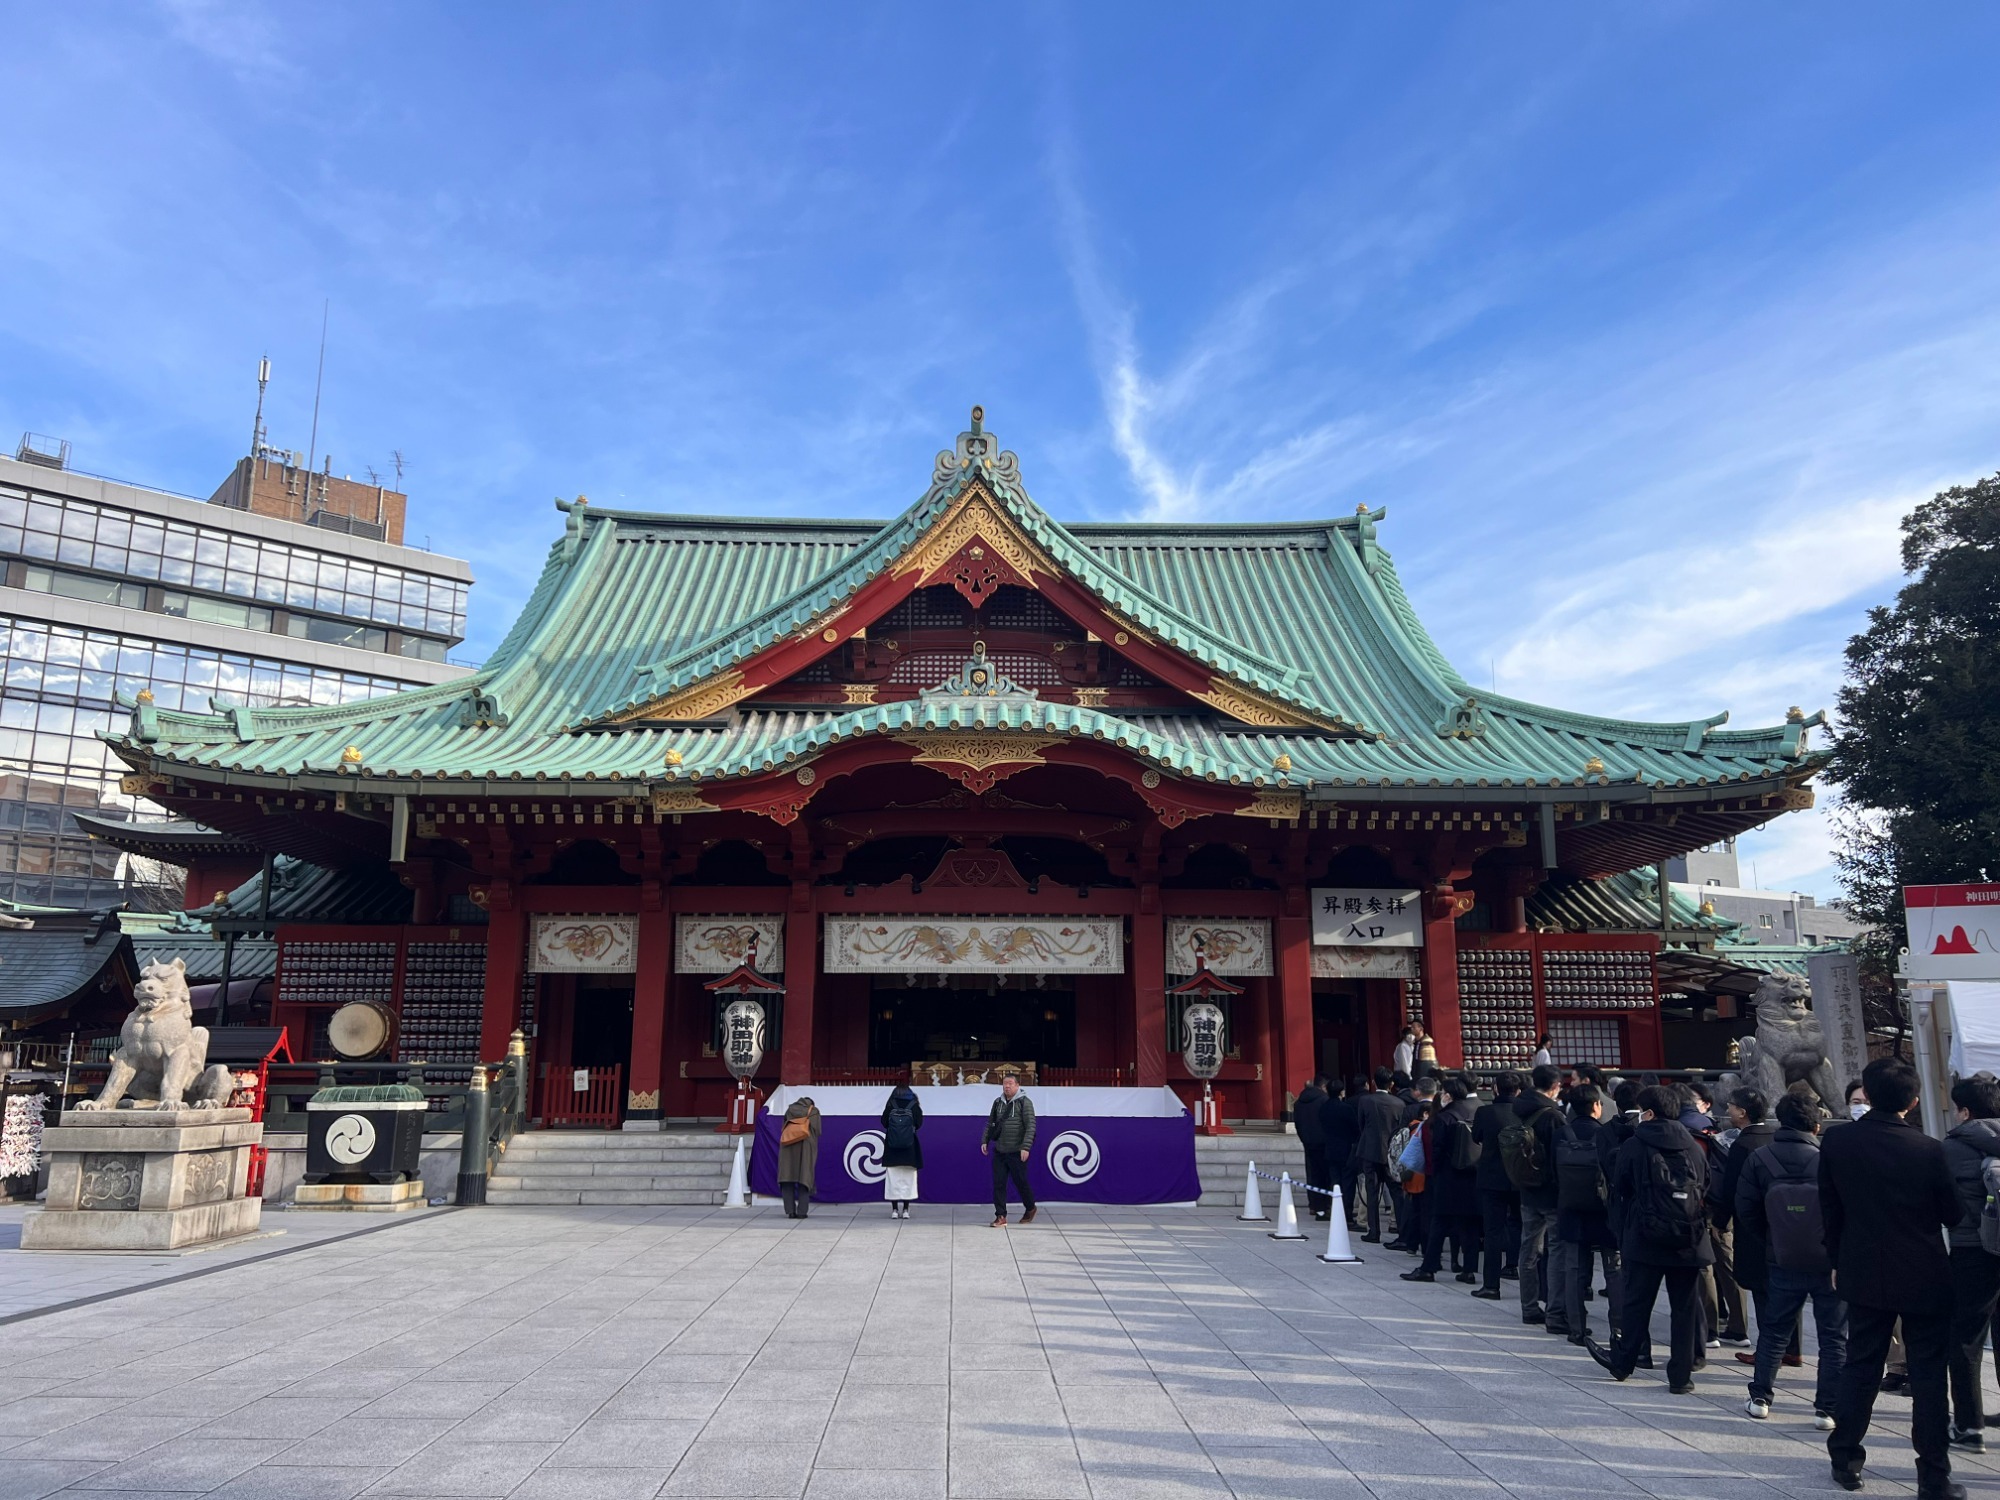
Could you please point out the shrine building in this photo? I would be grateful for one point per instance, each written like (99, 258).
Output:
(976, 788)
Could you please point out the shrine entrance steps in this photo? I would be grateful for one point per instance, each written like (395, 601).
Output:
(688, 1167)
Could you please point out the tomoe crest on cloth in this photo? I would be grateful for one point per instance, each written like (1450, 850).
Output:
(863, 1157)
(1073, 1158)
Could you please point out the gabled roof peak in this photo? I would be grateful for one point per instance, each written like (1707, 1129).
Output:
(978, 453)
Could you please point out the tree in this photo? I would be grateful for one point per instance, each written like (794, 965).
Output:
(1917, 751)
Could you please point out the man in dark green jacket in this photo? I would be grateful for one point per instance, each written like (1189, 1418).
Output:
(1010, 1138)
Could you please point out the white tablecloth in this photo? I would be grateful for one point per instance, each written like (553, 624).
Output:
(977, 1099)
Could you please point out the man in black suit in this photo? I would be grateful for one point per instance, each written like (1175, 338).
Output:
(1886, 1198)
(1312, 1136)
(1499, 1202)
(1381, 1114)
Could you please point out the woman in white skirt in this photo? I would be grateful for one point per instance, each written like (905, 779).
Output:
(902, 1152)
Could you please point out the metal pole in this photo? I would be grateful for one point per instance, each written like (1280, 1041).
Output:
(1932, 1081)
(472, 1142)
(228, 965)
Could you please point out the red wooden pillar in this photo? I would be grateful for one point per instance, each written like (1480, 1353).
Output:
(644, 1103)
(506, 955)
(1149, 991)
(1293, 935)
(1442, 906)
(801, 969)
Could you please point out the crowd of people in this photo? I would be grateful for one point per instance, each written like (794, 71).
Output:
(1562, 1176)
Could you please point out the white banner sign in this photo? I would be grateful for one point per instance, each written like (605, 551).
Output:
(974, 945)
(719, 945)
(1364, 963)
(1954, 931)
(1231, 945)
(1366, 918)
(584, 945)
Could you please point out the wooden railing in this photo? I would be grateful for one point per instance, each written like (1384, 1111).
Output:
(1086, 1078)
(827, 1078)
(599, 1105)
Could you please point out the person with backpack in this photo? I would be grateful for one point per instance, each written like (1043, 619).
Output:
(1659, 1182)
(1451, 1185)
(1010, 1136)
(1749, 1132)
(1583, 1225)
(1781, 1255)
(1885, 1193)
(902, 1152)
(1499, 1201)
(1312, 1137)
(1527, 1148)
(1972, 1149)
(1381, 1116)
(798, 1157)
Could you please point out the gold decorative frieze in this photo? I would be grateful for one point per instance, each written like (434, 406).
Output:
(642, 1098)
(1251, 707)
(858, 692)
(978, 751)
(681, 799)
(1285, 806)
(974, 517)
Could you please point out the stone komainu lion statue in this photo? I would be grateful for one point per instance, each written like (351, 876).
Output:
(162, 1055)
(1790, 1045)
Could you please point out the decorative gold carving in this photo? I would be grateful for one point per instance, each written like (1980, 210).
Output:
(1149, 779)
(1252, 707)
(805, 775)
(829, 635)
(858, 692)
(1594, 766)
(1283, 805)
(681, 799)
(351, 756)
(978, 751)
(146, 696)
(701, 700)
(1796, 798)
(974, 515)
(642, 1098)
(1090, 697)
(139, 784)
(1282, 763)
(672, 757)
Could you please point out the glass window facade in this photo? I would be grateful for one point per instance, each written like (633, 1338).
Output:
(56, 696)
(83, 534)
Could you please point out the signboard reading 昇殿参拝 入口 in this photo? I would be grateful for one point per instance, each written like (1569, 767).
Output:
(1364, 917)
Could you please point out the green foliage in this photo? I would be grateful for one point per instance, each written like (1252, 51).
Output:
(1917, 753)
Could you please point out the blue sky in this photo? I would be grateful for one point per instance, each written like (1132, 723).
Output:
(1646, 322)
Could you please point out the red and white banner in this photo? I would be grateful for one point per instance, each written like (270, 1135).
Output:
(1954, 931)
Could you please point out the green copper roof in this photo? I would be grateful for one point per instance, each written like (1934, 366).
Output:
(1627, 902)
(631, 605)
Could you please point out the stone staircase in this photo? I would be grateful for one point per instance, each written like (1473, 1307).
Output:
(550, 1167)
(691, 1167)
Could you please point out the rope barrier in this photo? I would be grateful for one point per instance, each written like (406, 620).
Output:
(1339, 1249)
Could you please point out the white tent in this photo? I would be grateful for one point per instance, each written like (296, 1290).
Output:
(1975, 1032)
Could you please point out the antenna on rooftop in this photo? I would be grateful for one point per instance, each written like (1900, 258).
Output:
(396, 457)
(312, 443)
(257, 426)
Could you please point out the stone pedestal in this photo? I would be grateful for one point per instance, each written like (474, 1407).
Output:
(364, 1197)
(146, 1179)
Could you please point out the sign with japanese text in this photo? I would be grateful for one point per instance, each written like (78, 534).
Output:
(1201, 1039)
(1954, 931)
(1366, 918)
(1836, 1000)
(742, 1037)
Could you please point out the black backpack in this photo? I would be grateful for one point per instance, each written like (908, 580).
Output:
(1465, 1149)
(1794, 1233)
(1521, 1153)
(1579, 1175)
(1667, 1210)
(900, 1130)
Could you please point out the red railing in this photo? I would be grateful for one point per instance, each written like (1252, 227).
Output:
(599, 1105)
(1086, 1078)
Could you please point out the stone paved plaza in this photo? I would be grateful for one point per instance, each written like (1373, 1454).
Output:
(628, 1352)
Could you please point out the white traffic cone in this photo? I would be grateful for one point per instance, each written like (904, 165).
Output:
(1253, 1199)
(1339, 1250)
(739, 1181)
(1288, 1216)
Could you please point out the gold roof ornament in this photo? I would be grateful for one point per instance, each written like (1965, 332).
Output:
(351, 756)
(1594, 766)
(1708, 908)
(1795, 715)
(673, 757)
(221, 898)
(145, 695)
(1283, 762)
(582, 500)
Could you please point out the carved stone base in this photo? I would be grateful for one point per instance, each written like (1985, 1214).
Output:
(361, 1197)
(145, 1179)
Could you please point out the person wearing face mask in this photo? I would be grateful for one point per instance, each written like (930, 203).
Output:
(1856, 1098)
(1975, 1273)
(1885, 1193)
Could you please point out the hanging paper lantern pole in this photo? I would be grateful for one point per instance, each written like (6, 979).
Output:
(1202, 1042)
(745, 1029)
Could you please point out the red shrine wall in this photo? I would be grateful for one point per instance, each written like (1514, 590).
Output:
(458, 993)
